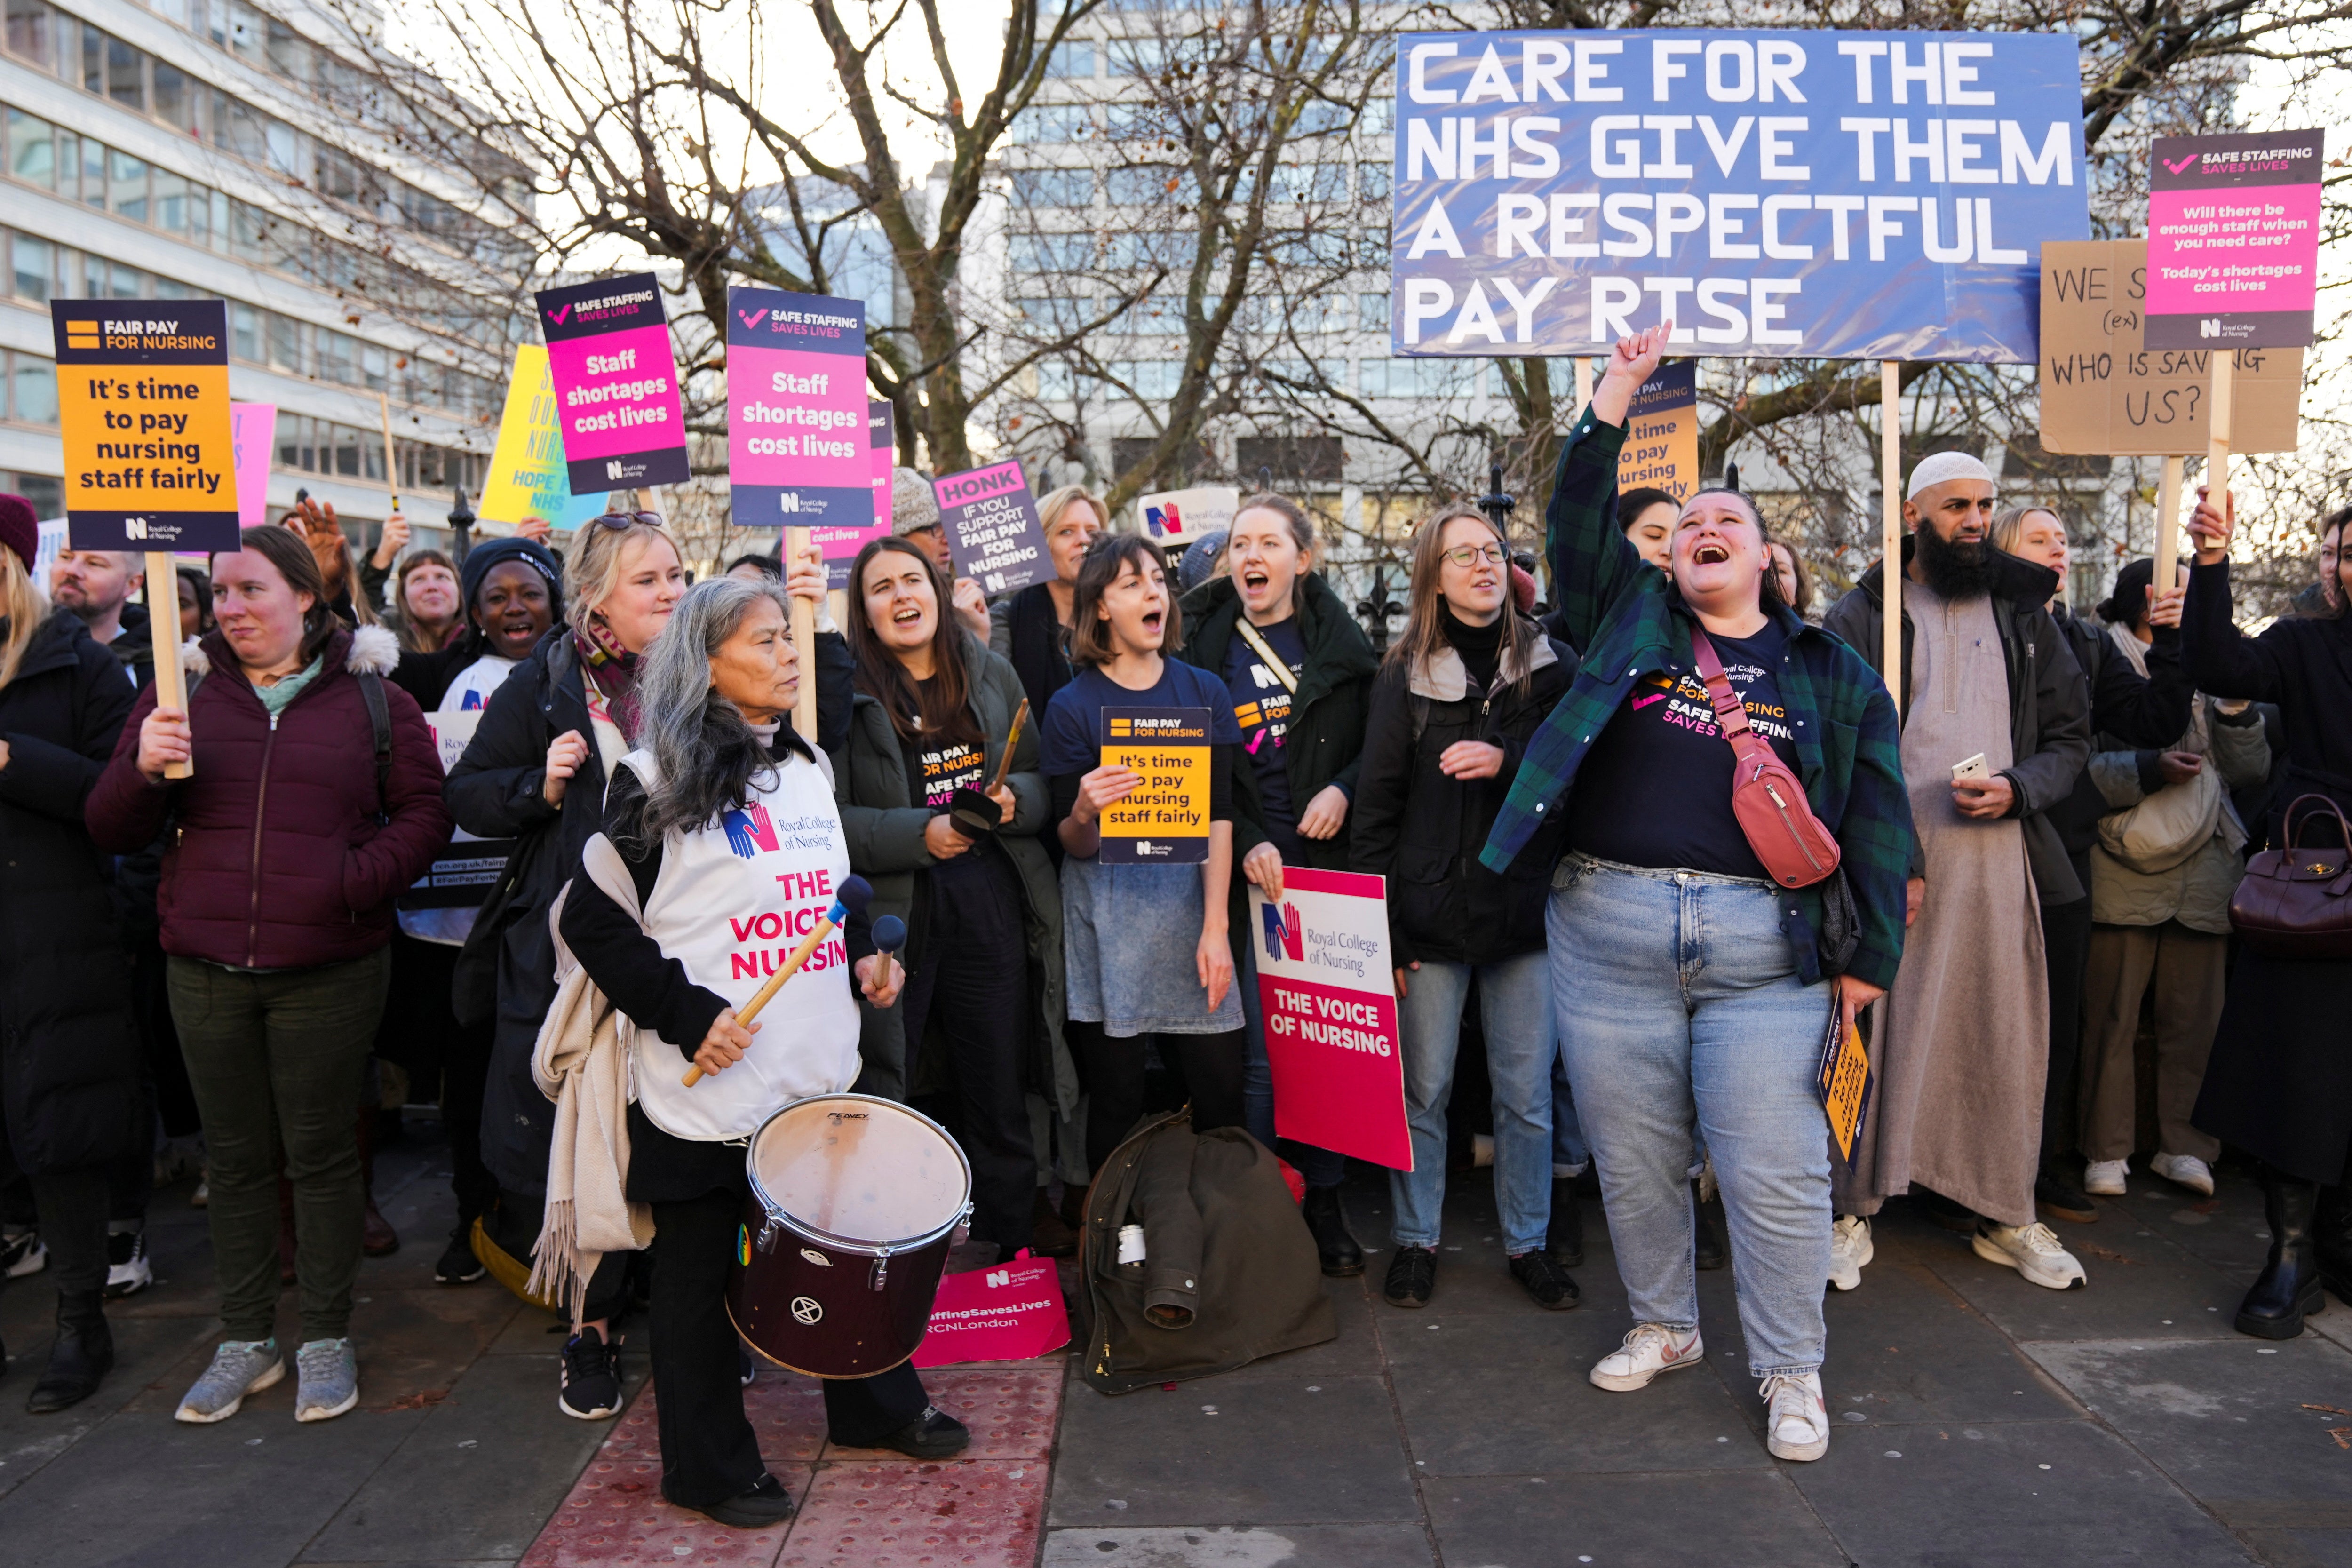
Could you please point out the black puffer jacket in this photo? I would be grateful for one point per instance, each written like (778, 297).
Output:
(69, 1040)
(507, 965)
(1423, 830)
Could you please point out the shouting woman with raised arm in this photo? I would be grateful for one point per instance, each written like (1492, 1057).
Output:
(1693, 987)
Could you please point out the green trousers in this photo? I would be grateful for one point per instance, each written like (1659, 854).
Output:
(276, 1061)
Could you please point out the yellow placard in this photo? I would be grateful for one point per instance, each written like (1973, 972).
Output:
(144, 413)
(528, 477)
(1846, 1082)
(1165, 820)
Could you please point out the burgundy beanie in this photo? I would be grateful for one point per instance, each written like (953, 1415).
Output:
(20, 530)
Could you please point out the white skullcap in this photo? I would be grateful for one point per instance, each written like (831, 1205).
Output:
(1944, 466)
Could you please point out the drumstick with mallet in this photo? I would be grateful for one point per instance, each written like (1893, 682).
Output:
(890, 936)
(850, 898)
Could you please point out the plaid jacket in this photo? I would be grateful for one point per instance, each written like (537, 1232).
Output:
(1632, 624)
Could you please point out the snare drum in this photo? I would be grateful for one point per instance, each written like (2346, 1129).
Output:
(854, 1202)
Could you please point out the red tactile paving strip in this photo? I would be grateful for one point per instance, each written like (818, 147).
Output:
(857, 1506)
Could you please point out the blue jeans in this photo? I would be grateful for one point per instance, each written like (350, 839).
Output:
(1317, 1167)
(1681, 1011)
(1568, 1154)
(1515, 1004)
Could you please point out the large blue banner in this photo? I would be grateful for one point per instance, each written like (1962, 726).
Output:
(1818, 195)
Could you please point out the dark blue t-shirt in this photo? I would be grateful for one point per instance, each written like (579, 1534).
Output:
(1261, 706)
(1655, 789)
(1070, 742)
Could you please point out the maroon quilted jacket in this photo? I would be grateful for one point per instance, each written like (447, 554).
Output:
(277, 861)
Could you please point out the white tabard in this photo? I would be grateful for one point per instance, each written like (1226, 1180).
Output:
(731, 903)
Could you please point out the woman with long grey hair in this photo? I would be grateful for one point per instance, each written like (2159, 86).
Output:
(723, 817)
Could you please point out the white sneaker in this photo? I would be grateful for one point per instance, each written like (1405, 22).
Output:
(1796, 1422)
(22, 1255)
(1649, 1350)
(2185, 1171)
(2032, 1251)
(2105, 1178)
(1849, 1250)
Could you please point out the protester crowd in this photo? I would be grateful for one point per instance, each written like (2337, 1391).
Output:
(333, 910)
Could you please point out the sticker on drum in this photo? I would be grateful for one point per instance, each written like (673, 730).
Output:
(743, 1244)
(807, 1309)
(861, 1170)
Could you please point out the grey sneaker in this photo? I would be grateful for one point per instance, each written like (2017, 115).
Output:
(330, 1380)
(239, 1367)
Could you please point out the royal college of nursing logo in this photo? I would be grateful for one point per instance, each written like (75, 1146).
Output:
(748, 831)
(1284, 934)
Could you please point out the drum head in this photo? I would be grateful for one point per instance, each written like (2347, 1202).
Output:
(861, 1170)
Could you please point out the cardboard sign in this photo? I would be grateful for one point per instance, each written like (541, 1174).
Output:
(462, 875)
(1011, 1313)
(1845, 1082)
(252, 434)
(616, 378)
(528, 477)
(143, 412)
(799, 426)
(1327, 989)
(993, 534)
(1660, 447)
(1180, 517)
(2104, 392)
(1164, 821)
(1787, 193)
(2233, 240)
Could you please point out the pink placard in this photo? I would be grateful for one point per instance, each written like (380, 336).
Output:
(1327, 991)
(1009, 1312)
(253, 432)
(2233, 250)
(616, 394)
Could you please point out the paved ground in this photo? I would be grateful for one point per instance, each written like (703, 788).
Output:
(1982, 1421)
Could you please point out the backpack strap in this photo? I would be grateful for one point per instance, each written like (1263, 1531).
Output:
(380, 720)
(1729, 712)
(1273, 662)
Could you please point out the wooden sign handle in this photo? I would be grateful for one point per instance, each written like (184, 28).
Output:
(797, 540)
(2218, 417)
(163, 622)
(391, 452)
(1890, 457)
(2168, 524)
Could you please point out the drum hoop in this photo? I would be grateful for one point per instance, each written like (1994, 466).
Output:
(860, 1246)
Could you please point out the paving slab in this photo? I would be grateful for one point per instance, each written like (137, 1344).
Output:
(1512, 1396)
(976, 1514)
(1355, 1352)
(2019, 1493)
(1753, 1519)
(1263, 1451)
(2263, 1440)
(1254, 1546)
(490, 1455)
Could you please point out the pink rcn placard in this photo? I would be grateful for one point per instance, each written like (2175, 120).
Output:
(1009, 1312)
(1327, 989)
(252, 431)
(616, 393)
(798, 448)
(2233, 240)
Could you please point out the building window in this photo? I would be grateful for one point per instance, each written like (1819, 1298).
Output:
(175, 97)
(126, 75)
(32, 390)
(34, 263)
(32, 33)
(1072, 59)
(126, 185)
(32, 150)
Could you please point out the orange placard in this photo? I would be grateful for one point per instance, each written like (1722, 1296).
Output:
(144, 410)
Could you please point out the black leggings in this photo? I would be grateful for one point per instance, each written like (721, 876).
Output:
(1111, 1068)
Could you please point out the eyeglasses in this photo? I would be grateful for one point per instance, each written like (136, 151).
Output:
(1472, 554)
(621, 521)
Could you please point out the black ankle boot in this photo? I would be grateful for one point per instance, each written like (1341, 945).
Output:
(1337, 1249)
(2331, 1227)
(82, 1356)
(2289, 1286)
(1564, 1237)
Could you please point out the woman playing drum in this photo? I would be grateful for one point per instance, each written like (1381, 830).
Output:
(728, 829)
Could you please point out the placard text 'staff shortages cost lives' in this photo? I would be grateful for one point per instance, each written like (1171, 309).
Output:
(143, 414)
(1842, 195)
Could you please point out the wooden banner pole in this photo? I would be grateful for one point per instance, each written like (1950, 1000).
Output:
(2168, 523)
(796, 542)
(391, 453)
(2218, 421)
(1890, 448)
(1583, 384)
(163, 622)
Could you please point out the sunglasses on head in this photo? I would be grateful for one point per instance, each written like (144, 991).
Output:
(622, 521)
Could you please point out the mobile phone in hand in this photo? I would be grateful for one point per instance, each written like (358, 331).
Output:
(1974, 768)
